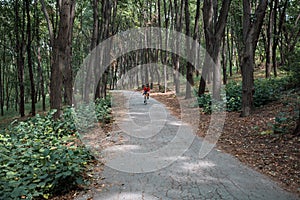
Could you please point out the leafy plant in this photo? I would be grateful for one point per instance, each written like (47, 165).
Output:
(204, 102)
(233, 96)
(41, 157)
(266, 91)
(103, 109)
(282, 123)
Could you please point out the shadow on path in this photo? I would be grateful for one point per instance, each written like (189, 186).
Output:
(159, 159)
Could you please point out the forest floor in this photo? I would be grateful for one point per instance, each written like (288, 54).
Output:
(252, 141)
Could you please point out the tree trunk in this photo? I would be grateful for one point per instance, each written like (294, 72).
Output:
(251, 31)
(214, 28)
(277, 32)
(297, 129)
(61, 54)
(189, 69)
(224, 62)
(94, 40)
(269, 41)
(29, 59)
(68, 72)
(1, 92)
(175, 58)
(20, 58)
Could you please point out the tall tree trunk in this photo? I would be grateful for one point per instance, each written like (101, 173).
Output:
(251, 31)
(41, 77)
(179, 10)
(20, 58)
(224, 61)
(214, 28)
(189, 67)
(94, 40)
(29, 58)
(61, 53)
(230, 50)
(277, 31)
(1, 91)
(68, 72)
(269, 41)
(297, 129)
(2, 79)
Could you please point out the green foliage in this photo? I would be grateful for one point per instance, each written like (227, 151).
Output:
(86, 115)
(266, 91)
(103, 109)
(41, 157)
(234, 96)
(285, 121)
(282, 123)
(204, 102)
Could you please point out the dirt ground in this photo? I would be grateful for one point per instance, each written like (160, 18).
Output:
(251, 140)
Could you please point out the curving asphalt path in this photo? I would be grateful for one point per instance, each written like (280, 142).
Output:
(154, 162)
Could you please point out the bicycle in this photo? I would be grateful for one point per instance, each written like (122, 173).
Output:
(146, 96)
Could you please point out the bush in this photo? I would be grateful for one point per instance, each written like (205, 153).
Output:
(266, 91)
(233, 96)
(87, 115)
(41, 157)
(204, 102)
(103, 109)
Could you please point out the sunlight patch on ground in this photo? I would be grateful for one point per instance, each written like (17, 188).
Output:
(198, 165)
(130, 196)
(123, 148)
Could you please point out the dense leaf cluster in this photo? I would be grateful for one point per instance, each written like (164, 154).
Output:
(266, 91)
(42, 157)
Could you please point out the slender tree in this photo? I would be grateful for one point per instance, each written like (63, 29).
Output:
(214, 28)
(252, 24)
(20, 44)
(61, 43)
(29, 58)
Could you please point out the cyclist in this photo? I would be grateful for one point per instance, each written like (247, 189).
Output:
(146, 91)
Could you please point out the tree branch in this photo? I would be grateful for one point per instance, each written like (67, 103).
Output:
(48, 22)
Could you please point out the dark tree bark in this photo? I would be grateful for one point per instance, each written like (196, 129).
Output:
(29, 58)
(178, 26)
(224, 61)
(251, 29)
(60, 64)
(94, 41)
(269, 40)
(297, 129)
(68, 71)
(40, 83)
(1, 90)
(214, 28)
(230, 51)
(277, 32)
(189, 67)
(20, 44)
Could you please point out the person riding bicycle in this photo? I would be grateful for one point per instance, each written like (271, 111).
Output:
(146, 91)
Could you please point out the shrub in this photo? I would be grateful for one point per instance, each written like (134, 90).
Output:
(41, 157)
(204, 102)
(233, 96)
(266, 91)
(86, 115)
(103, 109)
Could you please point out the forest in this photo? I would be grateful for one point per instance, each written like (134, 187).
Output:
(252, 53)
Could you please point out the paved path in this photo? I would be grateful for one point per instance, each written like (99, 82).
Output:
(138, 169)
